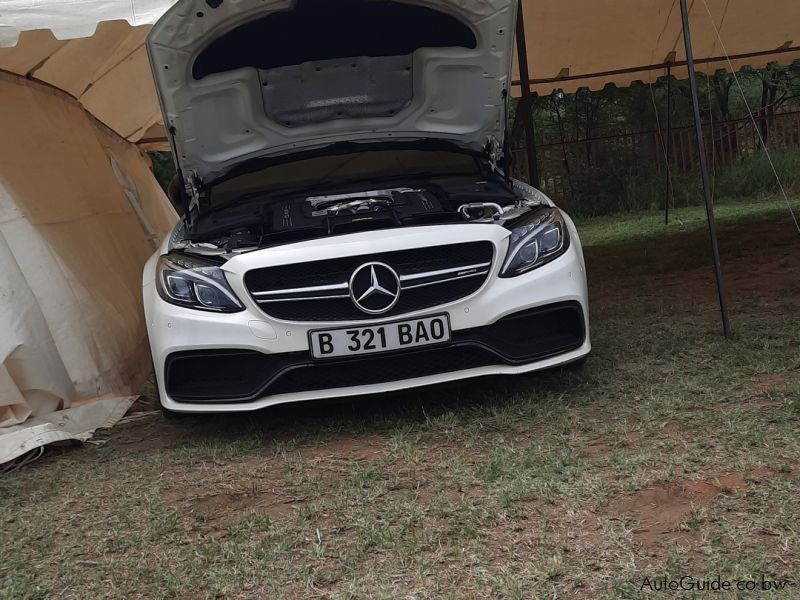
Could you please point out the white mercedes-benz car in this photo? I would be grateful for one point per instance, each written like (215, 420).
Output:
(349, 224)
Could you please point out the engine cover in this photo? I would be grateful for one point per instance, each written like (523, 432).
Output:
(354, 211)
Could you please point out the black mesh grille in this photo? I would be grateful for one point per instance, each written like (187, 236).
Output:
(382, 369)
(337, 271)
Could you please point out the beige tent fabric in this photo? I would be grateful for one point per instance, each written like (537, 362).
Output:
(576, 43)
(76, 423)
(80, 212)
(107, 73)
(92, 50)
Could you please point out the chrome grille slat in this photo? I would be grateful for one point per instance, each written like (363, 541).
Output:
(439, 281)
(307, 290)
(296, 298)
(443, 272)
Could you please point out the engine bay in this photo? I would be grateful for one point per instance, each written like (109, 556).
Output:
(271, 220)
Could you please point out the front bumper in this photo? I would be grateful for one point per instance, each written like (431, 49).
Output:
(208, 362)
(242, 376)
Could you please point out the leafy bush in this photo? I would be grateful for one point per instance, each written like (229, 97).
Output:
(754, 176)
(163, 167)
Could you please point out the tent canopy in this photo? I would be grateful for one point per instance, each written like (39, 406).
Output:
(570, 44)
(577, 43)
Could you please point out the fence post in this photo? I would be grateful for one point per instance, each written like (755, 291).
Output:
(527, 102)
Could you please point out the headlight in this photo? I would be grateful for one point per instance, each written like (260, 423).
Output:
(194, 283)
(536, 240)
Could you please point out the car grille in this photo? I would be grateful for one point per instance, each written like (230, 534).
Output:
(319, 290)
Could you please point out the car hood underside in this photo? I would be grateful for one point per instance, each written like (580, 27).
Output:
(245, 79)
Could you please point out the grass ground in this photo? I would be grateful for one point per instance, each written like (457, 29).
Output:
(673, 452)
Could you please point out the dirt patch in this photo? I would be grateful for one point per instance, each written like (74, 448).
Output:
(671, 428)
(596, 450)
(366, 447)
(761, 475)
(749, 269)
(214, 511)
(664, 512)
(149, 434)
(761, 384)
(730, 483)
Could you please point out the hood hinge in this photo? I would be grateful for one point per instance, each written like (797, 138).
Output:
(497, 154)
(494, 152)
(192, 185)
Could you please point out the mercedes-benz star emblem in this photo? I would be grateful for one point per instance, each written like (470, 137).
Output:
(375, 288)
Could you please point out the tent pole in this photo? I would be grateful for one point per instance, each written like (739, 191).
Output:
(527, 102)
(669, 144)
(698, 129)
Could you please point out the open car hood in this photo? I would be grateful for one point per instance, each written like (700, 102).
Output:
(245, 79)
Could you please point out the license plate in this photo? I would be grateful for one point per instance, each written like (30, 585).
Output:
(370, 339)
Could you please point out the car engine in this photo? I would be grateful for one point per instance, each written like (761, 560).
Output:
(269, 221)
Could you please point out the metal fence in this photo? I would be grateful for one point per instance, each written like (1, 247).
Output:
(563, 165)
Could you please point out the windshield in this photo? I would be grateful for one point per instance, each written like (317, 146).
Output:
(339, 169)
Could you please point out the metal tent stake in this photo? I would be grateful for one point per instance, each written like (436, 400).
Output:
(527, 104)
(698, 128)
